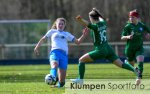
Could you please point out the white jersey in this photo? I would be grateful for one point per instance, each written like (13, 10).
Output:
(59, 39)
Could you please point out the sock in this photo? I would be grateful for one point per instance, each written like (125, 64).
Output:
(140, 66)
(128, 67)
(61, 84)
(53, 71)
(81, 70)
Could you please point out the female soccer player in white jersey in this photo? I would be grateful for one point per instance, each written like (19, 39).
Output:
(59, 48)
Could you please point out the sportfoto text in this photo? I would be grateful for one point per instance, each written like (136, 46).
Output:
(109, 86)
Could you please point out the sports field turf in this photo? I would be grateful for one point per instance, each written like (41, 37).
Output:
(29, 79)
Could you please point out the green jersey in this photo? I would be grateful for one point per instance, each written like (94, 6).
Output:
(102, 49)
(137, 31)
(98, 33)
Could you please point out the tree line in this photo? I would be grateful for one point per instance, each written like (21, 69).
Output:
(115, 11)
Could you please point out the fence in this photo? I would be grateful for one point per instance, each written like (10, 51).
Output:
(19, 37)
(25, 51)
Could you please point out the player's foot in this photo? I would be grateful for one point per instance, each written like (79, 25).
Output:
(139, 76)
(79, 81)
(56, 81)
(138, 81)
(125, 61)
(60, 84)
(138, 73)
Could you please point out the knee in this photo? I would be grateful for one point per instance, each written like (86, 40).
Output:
(118, 63)
(81, 59)
(54, 65)
(140, 58)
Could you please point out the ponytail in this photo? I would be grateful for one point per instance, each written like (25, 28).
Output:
(54, 26)
(97, 12)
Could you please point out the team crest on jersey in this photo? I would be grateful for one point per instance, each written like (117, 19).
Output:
(141, 29)
(62, 37)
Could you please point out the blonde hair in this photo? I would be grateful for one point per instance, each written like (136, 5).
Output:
(58, 19)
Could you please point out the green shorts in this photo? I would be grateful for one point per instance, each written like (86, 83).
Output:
(103, 52)
(132, 53)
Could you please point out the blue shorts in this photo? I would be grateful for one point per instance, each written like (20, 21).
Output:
(59, 56)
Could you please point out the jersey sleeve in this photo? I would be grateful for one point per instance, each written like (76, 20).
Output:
(146, 28)
(125, 31)
(49, 33)
(70, 37)
(93, 27)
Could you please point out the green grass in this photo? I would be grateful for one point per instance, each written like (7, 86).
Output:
(29, 79)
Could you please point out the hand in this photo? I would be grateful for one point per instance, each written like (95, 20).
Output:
(147, 36)
(78, 17)
(130, 37)
(85, 31)
(36, 51)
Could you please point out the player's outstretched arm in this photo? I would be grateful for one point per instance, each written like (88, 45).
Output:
(126, 37)
(85, 31)
(36, 49)
(82, 21)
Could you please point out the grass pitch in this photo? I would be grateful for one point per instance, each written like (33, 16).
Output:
(29, 79)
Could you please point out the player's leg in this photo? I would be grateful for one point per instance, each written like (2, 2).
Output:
(53, 63)
(115, 59)
(53, 69)
(63, 63)
(62, 77)
(89, 57)
(140, 61)
(130, 53)
(81, 66)
(130, 62)
(121, 64)
(129, 67)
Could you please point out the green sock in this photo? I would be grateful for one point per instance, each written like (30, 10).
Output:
(140, 66)
(128, 66)
(81, 70)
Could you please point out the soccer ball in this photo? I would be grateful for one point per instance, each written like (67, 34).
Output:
(50, 80)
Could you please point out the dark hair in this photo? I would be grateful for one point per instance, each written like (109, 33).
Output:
(95, 14)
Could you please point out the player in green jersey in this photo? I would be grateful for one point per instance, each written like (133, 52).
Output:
(102, 50)
(133, 33)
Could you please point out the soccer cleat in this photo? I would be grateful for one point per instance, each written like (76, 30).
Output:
(56, 81)
(139, 76)
(77, 80)
(60, 84)
(138, 73)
